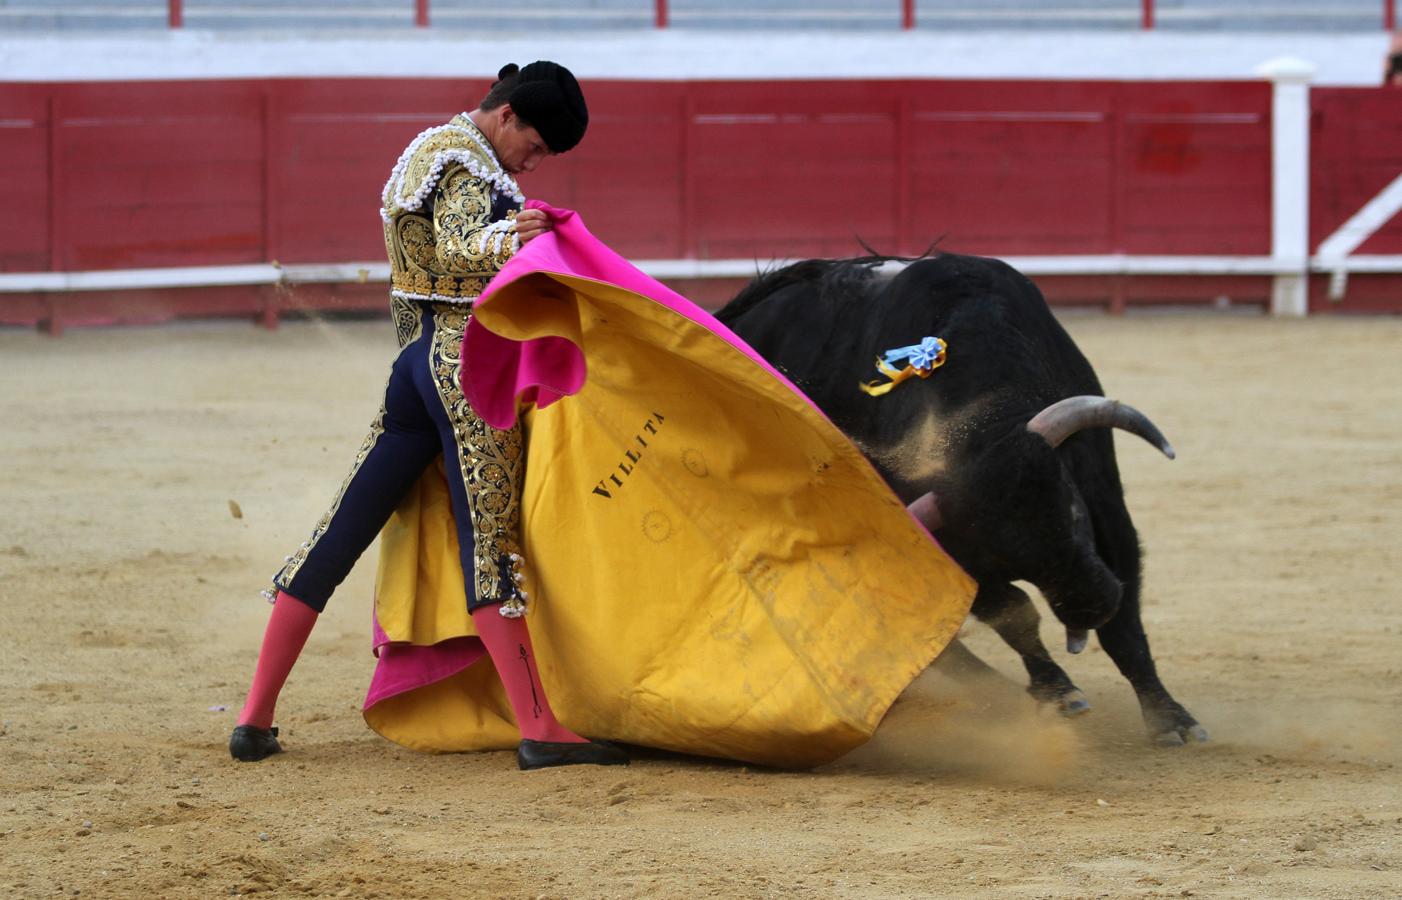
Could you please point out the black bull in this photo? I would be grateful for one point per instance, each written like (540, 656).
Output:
(1016, 484)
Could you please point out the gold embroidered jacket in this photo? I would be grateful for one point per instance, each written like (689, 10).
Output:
(449, 213)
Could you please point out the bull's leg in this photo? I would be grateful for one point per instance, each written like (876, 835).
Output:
(1009, 611)
(1124, 639)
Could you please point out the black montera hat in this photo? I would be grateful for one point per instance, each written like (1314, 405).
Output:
(548, 98)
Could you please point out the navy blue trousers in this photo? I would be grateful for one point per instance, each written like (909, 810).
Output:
(413, 428)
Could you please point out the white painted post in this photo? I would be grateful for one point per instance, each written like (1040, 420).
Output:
(1290, 186)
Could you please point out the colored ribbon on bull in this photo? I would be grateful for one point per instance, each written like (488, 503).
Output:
(922, 360)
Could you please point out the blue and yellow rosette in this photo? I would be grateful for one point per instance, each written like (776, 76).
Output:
(922, 360)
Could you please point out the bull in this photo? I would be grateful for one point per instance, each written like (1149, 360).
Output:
(1005, 451)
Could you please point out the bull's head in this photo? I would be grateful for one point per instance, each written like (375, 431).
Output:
(1018, 507)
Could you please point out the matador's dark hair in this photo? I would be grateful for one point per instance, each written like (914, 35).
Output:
(501, 88)
(546, 96)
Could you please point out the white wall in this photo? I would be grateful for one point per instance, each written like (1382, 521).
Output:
(1340, 59)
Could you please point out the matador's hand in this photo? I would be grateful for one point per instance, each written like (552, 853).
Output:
(531, 224)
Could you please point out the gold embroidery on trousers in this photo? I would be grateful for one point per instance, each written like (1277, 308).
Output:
(408, 320)
(491, 462)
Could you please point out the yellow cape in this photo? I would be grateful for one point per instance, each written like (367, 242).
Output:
(713, 567)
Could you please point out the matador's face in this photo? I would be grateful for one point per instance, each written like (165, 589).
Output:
(519, 147)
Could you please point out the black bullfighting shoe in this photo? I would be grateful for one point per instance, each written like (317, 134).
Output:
(249, 743)
(543, 754)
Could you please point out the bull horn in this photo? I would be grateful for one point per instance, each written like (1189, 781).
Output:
(1064, 418)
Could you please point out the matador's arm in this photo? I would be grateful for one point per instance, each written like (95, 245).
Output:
(468, 241)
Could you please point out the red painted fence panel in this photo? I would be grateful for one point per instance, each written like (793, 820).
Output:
(1012, 167)
(139, 174)
(25, 239)
(1194, 168)
(1356, 152)
(791, 169)
(158, 174)
(203, 173)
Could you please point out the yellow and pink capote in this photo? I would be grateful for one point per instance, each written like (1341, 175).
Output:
(712, 566)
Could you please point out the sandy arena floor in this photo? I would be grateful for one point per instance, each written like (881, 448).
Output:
(129, 596)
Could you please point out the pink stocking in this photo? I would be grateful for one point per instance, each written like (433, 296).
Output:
(288, 628)
(508, 643)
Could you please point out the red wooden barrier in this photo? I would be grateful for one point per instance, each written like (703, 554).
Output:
(27, 171)
(1355, 152)
(220, 172)
(147, 174)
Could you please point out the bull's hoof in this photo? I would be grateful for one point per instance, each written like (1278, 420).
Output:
(1181, 735)
(1169, 724)
(1073, 703)
(1067, 698)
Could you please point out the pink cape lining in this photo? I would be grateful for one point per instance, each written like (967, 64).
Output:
(499, 373)
(403, 667)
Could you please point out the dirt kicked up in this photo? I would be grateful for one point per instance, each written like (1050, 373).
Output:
(154, 478)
